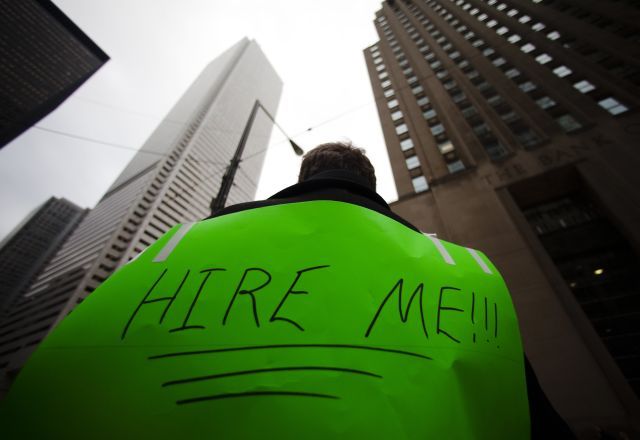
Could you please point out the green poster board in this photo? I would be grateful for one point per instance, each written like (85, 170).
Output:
(310, 320)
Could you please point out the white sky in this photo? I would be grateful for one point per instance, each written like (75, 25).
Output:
(157, 48)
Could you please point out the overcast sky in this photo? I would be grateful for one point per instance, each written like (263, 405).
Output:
(157, 48)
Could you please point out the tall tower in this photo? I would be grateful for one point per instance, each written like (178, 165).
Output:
(170, 180)
(25, 251)
(511, 127)
(45, 58)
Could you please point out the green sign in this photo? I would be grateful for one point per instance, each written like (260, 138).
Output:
(310, 320)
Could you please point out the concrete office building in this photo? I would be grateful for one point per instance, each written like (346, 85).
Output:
(512, 127)
(45, 58)
(170, 180)
(29, 246)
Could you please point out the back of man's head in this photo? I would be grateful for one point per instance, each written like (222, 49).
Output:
(338, 156)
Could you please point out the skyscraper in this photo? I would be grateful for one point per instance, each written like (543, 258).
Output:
(511, 126)
(45, 58)
(170, 180)
(30, 245)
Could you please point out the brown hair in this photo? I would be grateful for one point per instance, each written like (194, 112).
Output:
(337, 156)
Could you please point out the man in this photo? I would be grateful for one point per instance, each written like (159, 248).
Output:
(317, 313)
(340, 172)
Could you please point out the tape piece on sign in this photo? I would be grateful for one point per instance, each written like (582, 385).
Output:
(173, 242)
(443, 251)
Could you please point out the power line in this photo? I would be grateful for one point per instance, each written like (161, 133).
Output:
(123, 147)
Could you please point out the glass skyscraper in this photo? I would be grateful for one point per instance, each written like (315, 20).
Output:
(171, 180)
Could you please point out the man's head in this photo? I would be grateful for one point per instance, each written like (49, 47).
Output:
(337, 156)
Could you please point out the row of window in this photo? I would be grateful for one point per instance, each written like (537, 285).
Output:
(418, 179)
(541, 57)
(521, 131)
(566, 121)
(445, 146)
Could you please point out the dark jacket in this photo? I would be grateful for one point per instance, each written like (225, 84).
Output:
(346, 187)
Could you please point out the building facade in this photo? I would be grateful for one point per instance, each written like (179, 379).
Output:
(29, 246)
(45, 58)
(171, 180)
(511, 126)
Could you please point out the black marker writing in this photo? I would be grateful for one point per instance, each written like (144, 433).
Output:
(439, 329)
(145, 300)
(290, 291)
(250, 292)
(185, 324)
(403, 316)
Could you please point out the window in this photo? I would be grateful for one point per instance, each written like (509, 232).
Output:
(512, 12)
(509, 117)
(562, 71)
(383, 75)
(501, 6)
(494, 148)
(527, 137)
(553, 35)
(499, 61)
(543, 58)
(488, 51)
(613, 106)
(568, 123)
(469, 112)
(514, 38)
(456, 166)
(412, 79)
(385, 84)
(524, 19)
(455, 54)
(481, 129)
(512, 73)
(396, 115)
(482, 17)
(477, 43)
(431, 113)
(406, 144)
(377, 60)
(417, 89)
(545, 102)
(502, 30)
(457, 98)
(491, 23)
(473, 74)
(402, 129)
(420, 184)
(422, 101)
(393, 103)
(435, 64)
(527, 86)
(389, 93)
(412, 162)
(538, 27)
(380, 67)
(495, 100)
(584, 86)
(437, 129)
(528, 48)
(445, 146)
